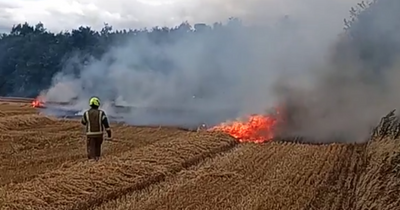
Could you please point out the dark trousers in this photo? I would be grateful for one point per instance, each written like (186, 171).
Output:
(93, 146)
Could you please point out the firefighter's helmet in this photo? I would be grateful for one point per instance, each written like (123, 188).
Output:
(94, 101)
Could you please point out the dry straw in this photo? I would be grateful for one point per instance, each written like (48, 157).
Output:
(87, 184)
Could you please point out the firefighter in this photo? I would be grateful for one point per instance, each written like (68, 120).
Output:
(95, 121)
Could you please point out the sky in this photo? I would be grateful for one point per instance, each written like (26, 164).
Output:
(66, 14)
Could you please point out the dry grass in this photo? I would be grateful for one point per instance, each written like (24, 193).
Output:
(12, 109)
(379, 185)
(44, 167)
(250, 177)
(39, 144)
(86, 184)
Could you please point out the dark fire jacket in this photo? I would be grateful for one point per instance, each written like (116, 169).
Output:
(95, 121)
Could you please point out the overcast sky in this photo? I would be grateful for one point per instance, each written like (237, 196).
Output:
(66, 14)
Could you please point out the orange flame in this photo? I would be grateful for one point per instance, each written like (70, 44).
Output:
(36, 103)
(258, 129)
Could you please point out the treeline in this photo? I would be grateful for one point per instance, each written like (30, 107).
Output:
(30, 55)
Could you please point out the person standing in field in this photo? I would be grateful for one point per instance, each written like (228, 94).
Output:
(96, 122)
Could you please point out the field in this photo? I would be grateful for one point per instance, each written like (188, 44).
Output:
(43, 166)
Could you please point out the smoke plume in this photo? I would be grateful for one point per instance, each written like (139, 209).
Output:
(287, 52)
(356, 84)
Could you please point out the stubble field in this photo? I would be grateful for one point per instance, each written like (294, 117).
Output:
(43, 166)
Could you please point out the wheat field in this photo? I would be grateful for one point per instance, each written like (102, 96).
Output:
(43, 166)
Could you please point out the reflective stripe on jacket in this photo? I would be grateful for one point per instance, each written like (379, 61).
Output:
(95, 119)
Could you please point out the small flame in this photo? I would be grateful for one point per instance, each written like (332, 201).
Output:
(36, 103)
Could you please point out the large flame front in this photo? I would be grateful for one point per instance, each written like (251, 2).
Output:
(258, 128)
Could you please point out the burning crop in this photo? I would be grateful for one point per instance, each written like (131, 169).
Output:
(37, 103)
(257, 128)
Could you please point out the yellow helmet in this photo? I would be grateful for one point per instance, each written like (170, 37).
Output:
(94, 101)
